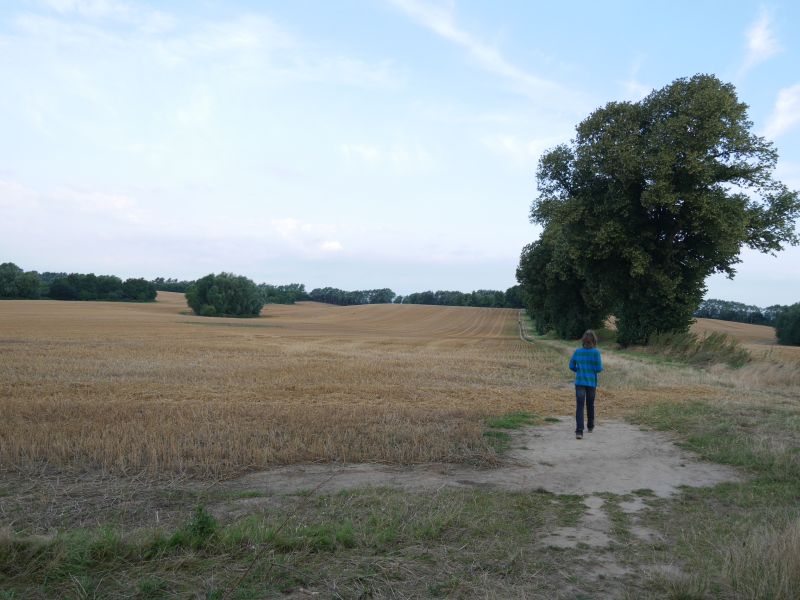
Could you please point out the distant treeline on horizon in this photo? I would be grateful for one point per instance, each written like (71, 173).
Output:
(725, 310)
(294, 292)
(18, 284)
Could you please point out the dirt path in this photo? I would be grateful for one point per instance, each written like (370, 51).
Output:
(618, 458)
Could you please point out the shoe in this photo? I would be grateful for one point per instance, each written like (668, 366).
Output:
(590, 430)
(578, 436)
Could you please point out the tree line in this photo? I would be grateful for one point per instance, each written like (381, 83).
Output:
(331, 295)
(725, 310)
(16, 283)
(511, 298)
(647, 201)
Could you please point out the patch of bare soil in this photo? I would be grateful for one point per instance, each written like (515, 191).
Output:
(617, 457)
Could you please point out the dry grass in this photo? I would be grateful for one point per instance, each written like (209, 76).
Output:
(147, 387)
(133, 388)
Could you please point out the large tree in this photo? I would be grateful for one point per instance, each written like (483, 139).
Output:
(652, 197)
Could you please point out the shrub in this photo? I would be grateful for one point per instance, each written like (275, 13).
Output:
(697, 350)
(225, 295)
(787, 325)
(139, 290)
(16, 283)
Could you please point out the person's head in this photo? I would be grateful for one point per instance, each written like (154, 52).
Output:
(589, 339)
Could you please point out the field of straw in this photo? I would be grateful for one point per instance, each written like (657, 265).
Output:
(149, 388)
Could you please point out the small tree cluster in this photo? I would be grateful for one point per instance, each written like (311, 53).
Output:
(283, 294)
(225, 295)
(787, 325)
(650, 199)
(16, 283)
(78, 286)
(344, 298)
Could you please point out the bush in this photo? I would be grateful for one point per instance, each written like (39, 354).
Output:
(225, 295)
(139, 290)
(787, 325)
(16, 283)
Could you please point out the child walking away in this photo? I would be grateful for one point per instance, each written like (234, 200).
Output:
(587, 363)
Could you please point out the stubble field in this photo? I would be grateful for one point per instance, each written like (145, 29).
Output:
(126, 427)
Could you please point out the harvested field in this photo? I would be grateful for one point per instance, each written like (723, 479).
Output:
(133, 388)
(744, 332)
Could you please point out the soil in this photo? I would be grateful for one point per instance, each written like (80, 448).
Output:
(617, 457)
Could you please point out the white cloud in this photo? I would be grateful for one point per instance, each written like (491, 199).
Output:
(401, 158)
(441, 20)
(521, 152)
(331, 246)
(634, 89)
(761, 42)
(786, 113)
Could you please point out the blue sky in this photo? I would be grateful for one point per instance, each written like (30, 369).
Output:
(357, 144)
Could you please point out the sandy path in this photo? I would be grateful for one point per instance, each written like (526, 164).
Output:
(618, 458)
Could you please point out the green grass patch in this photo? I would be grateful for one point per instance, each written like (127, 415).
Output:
(512, 420)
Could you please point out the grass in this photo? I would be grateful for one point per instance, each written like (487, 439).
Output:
(694, 349)
(368, 539)
(117, 422)
(737, 540)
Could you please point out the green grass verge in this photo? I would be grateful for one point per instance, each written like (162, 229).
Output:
(734, 540)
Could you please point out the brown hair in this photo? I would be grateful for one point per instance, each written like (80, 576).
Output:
(589, 339)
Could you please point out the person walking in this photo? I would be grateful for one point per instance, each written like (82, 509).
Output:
(586, 362)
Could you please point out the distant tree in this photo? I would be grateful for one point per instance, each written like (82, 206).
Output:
(654, 196)
(283, 294)
(171, 285)
(225, 295)
(16, 283)
(138, 290)
(787, 325)
(347, 298)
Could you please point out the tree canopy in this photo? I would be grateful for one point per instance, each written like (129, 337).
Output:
(646, 202)
(225, 295)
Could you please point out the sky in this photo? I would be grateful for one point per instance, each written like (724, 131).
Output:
(356, 144)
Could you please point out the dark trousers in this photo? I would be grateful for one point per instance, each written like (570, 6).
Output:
(584, 395)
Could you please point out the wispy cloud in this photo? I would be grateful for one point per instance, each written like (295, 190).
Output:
(523, 153)
(441, 20)
(786, 113)
(401, 158)
(634, 89)
(761, 42)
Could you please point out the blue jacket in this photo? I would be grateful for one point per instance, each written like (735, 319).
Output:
(586, 363)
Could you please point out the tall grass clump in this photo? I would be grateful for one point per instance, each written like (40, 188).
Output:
(766, 565)
(699, 350)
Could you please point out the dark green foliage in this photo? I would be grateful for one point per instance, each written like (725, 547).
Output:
(557, 298)
(511, 298)
(649, 200)
(787, 325)
(344, 298)
(78, 286)
(171, 285)
(283, 294)
(16, 283)
(225, 295)
(725, 310)
(139, 290)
